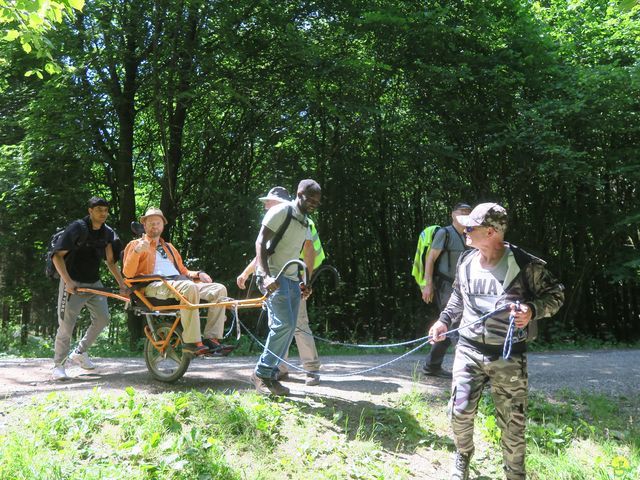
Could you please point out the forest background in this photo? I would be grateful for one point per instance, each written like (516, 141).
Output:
(399, 109)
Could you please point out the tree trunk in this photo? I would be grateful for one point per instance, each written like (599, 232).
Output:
(177, 115)
(26, 319)
(125, 103)
(6, 312)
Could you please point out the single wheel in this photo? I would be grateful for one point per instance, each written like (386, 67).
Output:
(170, 365)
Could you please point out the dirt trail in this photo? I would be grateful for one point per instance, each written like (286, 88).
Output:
(613, 372)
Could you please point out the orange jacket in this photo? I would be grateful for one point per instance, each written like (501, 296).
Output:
(143, 263)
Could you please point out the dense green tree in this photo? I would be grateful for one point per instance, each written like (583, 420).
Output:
(398, 109)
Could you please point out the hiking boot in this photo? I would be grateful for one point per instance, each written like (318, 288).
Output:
(82, 360)
(58, 373)
(460, 468)
(269, 386)
(195, 349)
(216, 348)
(437, 372)
(312, 379)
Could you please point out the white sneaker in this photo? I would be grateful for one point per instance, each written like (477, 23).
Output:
(59, 373)
(82, 360)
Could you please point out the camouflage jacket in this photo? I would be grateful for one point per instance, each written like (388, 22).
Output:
(527, 280)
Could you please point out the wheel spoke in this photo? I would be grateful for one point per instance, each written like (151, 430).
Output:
(173, 355)
(170, 365)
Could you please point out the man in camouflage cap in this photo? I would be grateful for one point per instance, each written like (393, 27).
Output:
(492, 275)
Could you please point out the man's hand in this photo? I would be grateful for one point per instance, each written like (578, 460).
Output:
(437, 332)
(241, 282)
(204, 277)
(427, 293)
(522, 316)
(142, 246)
(305, 291)
(270, 284)
(71, 287)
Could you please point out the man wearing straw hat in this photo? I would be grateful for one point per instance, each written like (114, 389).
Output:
(152, 255)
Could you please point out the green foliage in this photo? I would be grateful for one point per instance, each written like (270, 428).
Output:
(11, 346)
(29, 23)
(399, 110)
(239, 435)
(186, 435)
(575, 436)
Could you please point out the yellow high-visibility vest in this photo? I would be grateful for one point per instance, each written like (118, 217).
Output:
(422, 250)
(317, 246)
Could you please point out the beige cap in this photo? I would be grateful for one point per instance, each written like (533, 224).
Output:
(153, 212)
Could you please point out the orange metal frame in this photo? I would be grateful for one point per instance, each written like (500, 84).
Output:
(161, 345)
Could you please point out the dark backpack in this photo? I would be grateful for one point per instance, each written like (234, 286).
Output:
(283, 228)
(50, 269)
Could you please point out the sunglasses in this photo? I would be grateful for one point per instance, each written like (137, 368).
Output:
(471, 229)
(161, 251)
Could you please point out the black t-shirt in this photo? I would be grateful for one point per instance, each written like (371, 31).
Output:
(83, 261)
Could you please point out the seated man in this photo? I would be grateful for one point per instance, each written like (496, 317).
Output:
(152, 255)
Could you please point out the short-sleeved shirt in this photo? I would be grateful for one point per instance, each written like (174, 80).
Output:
(83, 262)
(292, 240)
(451, 248)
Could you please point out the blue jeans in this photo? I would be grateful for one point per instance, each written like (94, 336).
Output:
(282, 306)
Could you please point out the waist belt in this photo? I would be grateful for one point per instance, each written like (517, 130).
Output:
(490, 350)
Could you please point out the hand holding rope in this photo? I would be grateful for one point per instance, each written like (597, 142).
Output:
(508, 340)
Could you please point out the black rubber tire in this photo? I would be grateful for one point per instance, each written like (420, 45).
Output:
(173, 365)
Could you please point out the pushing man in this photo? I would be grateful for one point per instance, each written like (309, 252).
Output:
(77, 256)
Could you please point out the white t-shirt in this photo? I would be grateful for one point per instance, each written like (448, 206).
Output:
(164, 264)
(292, 240)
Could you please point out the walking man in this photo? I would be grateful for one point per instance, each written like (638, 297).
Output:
(284, 293)
(439, 271)
(494, 274)
(313, 255)
(78, 253)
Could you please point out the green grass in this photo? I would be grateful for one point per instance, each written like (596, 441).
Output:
(243, 436)
(182, 436)
(576, 436)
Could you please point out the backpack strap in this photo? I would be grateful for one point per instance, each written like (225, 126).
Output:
(448, 253)
(84, 232)
(175, 263)
(447, 249)
(283, 228)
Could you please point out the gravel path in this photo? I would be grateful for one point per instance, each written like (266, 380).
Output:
(611, 372)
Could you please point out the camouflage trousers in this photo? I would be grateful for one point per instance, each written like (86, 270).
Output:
(509, 386)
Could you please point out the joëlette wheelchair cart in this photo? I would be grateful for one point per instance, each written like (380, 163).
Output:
(163, 345)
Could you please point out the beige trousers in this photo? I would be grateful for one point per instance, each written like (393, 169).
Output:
(194, 292)
(305, 342)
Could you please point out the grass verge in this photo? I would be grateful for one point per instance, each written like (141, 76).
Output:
(243, 436)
